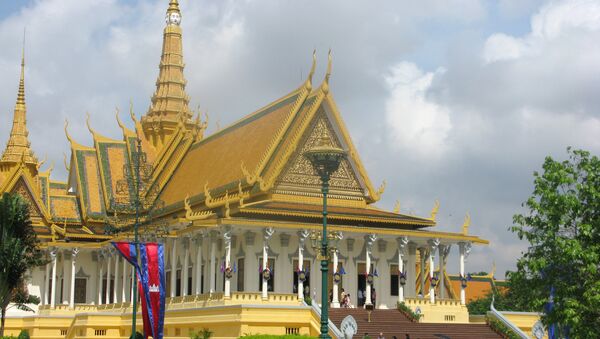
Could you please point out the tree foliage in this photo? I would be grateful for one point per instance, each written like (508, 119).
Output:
(562, 225)
(508, 298)
(19, 252)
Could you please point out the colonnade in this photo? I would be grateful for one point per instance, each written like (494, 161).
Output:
(114, 274)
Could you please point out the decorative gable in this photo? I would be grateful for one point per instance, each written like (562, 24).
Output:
(300, 173)
(22, 189)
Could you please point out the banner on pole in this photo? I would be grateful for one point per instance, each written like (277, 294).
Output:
(151, 283)
(152, 273)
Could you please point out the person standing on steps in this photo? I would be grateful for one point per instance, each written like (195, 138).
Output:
(380, 336)
(366, 336)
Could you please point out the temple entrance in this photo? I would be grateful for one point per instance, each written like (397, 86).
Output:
(361, 279)
(306, 284)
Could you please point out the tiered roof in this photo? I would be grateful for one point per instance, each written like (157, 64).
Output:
(252, 171)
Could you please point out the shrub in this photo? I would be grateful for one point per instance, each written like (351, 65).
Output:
(408, 312)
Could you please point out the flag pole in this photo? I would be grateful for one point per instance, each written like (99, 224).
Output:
(135, 234)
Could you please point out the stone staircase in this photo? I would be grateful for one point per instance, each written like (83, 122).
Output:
(394, 323)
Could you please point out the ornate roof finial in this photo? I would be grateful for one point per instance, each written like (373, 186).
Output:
(325, 85)
(21, 93)
(18, 146)
(131, 112)
(435, 210)
(67, 131)
(466, 224)
(308, 83)
(87, 123)
(169, 103)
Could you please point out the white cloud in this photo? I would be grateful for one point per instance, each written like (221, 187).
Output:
(416, 122)
(552, 22)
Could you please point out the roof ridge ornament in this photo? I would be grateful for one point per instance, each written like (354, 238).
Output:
(397, 207)
(466, 224)
(435, 210)
(89, 126)
(67, 131)
(308, 83)
(325, 85)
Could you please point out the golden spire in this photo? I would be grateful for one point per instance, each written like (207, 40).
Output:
(18, 146)
(170, 101)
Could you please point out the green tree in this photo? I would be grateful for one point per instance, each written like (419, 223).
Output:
(509, 298)
(562, 225)
(19, 252)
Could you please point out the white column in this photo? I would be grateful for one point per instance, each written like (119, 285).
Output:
(433, 245)
(402, 241)
(186, 264)
(53, 294)
(411, 271)
(198, 265)
(370, 239)
(173, 268)
(443, 253)
(74, 253)
(422, 252)
(100, 276)
(302, 235)
(46, 285)
(465, 248)
(116, 288)
(212, 274)
(335, 300)
(108, 280)
(124, 281)
(227, 237)
(267, 233)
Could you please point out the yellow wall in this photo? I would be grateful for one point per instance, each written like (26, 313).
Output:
(224, 321)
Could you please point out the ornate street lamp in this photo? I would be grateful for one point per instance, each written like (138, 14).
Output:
(325, 159)
(136, 205)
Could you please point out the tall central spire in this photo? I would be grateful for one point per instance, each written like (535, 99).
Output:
(170, 101)
(18, 146)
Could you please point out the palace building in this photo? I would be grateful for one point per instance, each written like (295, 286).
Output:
(227, 206)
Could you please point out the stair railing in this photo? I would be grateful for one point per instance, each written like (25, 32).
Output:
(332, 328)
(500, 317)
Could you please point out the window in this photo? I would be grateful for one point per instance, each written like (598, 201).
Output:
(189, 279)
(168, 281)
(394, 280)
(104, 288)
(178, 283)
(49, 292)
(270, 282)
(202, 279)
(240, 275)
(80, 290)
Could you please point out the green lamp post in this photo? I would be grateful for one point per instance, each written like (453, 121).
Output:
(325, 159)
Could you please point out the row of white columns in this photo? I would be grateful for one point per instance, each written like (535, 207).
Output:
(51, 268)
(434, 245)
(49, 296)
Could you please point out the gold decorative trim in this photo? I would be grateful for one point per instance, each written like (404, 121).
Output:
(466, 224)
(435, 210)
(192, 216)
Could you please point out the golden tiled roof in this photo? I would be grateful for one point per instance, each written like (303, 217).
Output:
(336, 214)
(64, 208)
(217, 159)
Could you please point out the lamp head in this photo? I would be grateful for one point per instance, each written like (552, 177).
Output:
(325, 158)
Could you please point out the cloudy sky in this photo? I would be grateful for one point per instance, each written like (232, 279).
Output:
(456, 100)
